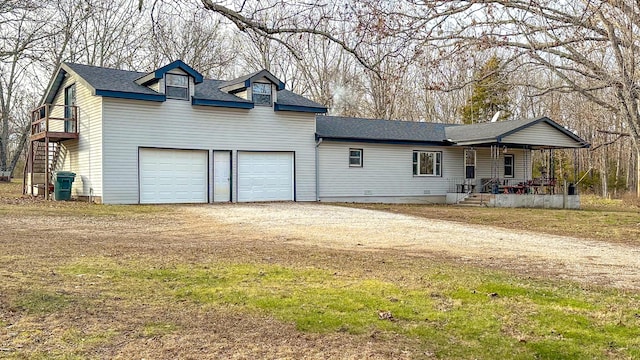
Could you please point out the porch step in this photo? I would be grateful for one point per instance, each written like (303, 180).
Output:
(476, 200)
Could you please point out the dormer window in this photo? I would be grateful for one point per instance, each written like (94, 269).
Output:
(261, 94)
(177, 86)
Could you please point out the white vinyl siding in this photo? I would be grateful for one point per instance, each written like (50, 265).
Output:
(484, 164)
(388, 172)
(83, 156)
(540, 134)
(130, 124)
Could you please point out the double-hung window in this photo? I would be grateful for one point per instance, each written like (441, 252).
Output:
(261, 94)
(427, 163)
(508, 165)
(177, 86)
(355, 157)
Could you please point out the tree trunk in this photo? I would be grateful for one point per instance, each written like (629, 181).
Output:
(3, 155)
(603, 174)
(637, 171)
(23, 141)
(617, 178)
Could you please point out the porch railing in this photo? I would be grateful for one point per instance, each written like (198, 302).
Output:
(54, 118)
(502, 185)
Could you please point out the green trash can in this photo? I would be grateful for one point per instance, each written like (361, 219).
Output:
(63, 180)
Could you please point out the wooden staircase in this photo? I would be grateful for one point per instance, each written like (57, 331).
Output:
(40, 162)
(43, 159)
(50, 125)
(476, 200)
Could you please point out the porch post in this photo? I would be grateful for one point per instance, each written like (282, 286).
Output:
(31, 157)
(46, 167)
(565, 194)
(527, 158)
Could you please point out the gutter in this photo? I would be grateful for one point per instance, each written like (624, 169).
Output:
(318, 142)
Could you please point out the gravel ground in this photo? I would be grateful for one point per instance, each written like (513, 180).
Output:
(586, 261)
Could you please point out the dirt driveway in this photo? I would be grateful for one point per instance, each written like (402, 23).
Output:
(367, 230)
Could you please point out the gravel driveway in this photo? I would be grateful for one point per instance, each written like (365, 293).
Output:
(368, 230)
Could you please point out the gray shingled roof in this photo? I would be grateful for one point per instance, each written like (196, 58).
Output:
(210, 90)
(286, 97)
(337, 127)
(121, 80)
(489, 132)
(485, 131)
(110, 79)
(239, 80)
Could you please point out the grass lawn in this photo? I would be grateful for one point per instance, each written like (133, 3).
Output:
(87, 281)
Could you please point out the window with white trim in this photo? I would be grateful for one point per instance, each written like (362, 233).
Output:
(355, 157)
(427, 163)
(261, 94)
(177, 86)
(509, 165)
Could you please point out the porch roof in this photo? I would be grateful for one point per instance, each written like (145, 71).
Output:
(541, 133)
(535, 133)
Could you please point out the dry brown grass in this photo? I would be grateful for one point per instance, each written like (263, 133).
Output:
(606, 220)
(48, 312)
(45, 313)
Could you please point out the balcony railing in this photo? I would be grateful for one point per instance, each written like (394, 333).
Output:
(57, 121)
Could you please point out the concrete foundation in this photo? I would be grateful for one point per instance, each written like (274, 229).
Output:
(525, 201)
(536, 201)
(430, 199)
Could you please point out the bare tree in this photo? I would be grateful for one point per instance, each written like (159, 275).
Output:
(106, 33)
(592, 46)
(21, 35)
(184, 32)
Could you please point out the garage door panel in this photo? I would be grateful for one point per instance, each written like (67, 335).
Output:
(265, 176)
(173, 176)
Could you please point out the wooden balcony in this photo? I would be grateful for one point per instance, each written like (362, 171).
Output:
(54, 122)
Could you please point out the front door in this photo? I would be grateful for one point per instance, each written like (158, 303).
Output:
(69, 109)
(470, 163)
(222, 176)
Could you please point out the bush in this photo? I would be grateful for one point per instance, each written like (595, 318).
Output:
(631, 199)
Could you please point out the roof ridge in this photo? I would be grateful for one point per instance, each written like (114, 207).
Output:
(222, 81)
(387, 120)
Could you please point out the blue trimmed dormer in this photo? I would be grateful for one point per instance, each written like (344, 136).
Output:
(176, 80)
(261, 88)
(180, 81)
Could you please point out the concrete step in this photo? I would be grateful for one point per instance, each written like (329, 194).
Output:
(476, 200)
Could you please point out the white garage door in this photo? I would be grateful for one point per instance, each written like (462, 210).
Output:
(265, 176)
(173, 176)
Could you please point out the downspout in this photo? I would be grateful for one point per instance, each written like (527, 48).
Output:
(318, 142)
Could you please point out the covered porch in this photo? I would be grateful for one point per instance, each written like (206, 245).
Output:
(498, 165)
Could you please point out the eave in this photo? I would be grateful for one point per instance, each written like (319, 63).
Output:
(298, 108)
(130, 95)
(222, 103)
(384, 141)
